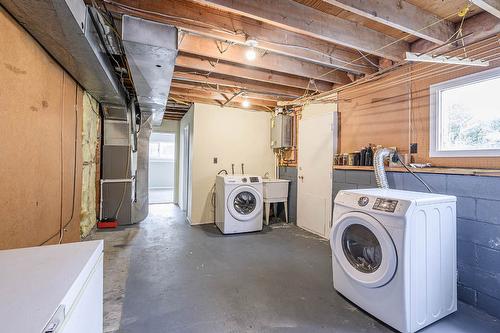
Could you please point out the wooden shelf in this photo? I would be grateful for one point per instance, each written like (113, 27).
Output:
(451, 171)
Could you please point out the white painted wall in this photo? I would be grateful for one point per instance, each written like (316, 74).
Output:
(172, 126)
(233, 136)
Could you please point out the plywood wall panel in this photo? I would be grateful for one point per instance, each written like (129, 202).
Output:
(37, 140)
(370, 114)
(394, 111)
(421, 110)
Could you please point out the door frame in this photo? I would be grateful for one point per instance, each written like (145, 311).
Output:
(186, 168)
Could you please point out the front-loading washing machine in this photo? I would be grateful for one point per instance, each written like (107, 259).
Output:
(239, 203)
(394, 254)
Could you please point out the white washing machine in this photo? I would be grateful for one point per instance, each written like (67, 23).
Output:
(394, 254)
(239, 203)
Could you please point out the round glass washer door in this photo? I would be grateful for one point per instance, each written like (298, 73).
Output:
(244, 203)
(364, 249)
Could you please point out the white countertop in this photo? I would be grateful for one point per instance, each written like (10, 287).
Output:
(34, 281)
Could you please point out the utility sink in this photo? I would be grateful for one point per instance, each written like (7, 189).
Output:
(275, 190)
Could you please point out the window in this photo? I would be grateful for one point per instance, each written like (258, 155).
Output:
(465, 116)
(162, 146)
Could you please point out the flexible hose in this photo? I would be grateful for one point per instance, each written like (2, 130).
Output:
(379, 168)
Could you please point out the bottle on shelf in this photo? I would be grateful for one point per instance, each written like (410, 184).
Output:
(362, 156)
(369, 156)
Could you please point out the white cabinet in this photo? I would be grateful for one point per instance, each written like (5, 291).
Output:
(56, 288)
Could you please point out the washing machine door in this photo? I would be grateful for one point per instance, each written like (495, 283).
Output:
(244, 203)
(364, 249)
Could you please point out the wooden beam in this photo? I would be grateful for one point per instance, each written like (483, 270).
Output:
(227, 90)
(208, 47)
(207, 100)
(215, 23)
(203, 66)
(401, 15)
(491, 6)
(293, 16)
(233, 82)
(476, 28)
(218, 96)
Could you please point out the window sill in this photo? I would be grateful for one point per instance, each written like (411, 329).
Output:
(450, 171)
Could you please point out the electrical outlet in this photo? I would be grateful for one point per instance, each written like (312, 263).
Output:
(215, 160)
(413, 148)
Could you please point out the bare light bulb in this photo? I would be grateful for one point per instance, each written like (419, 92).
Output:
(246, 103)
(250, 54)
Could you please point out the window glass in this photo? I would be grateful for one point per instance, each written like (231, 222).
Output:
(470, 116)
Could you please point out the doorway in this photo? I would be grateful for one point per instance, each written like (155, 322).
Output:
(162, 168)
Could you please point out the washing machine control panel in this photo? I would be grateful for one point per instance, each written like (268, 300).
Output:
(254, 180)
(385, 205)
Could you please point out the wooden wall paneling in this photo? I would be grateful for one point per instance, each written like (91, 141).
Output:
(31, 105)
(376, 116)
(72, 115)
(420, 118)
(397, 114)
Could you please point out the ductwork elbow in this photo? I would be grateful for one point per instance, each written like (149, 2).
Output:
(379, 168)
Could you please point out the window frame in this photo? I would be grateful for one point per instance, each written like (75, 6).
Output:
(435, 118)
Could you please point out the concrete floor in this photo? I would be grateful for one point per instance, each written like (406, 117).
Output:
(165, 276)
(161, 195)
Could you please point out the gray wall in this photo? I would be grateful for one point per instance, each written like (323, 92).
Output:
(290, 173)
(478, 226)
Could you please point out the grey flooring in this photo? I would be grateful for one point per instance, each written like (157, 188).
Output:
(166, 276)
(161, 196)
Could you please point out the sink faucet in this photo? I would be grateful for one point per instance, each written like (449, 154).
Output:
(266, 175)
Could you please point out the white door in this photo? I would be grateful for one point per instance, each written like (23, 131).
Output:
(316, 138)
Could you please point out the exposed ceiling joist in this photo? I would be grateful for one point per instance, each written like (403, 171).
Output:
(290, 15)
(218, 96)
(475, 28)
(202, 66)
(209, 100)
(211, 48)
(214, 23)
(401, 15)
(491, 6)
(233, 82)
(228, 90)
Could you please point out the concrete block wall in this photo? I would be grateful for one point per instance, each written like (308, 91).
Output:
(290, 173)
(478, 226)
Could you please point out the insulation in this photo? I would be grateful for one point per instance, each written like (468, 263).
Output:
(90, 142)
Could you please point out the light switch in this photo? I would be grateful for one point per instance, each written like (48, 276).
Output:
(215, 160)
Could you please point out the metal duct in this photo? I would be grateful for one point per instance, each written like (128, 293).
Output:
(140, 205)
(66, 31)
(379, 168)
(151, 49)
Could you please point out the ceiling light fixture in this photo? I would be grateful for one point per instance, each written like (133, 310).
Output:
(246, 103)
(251, 53)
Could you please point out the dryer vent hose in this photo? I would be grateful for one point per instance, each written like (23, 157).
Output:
(378, 166)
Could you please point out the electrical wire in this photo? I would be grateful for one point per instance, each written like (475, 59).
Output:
(415, 175)
(63, 226)
(380, 75)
